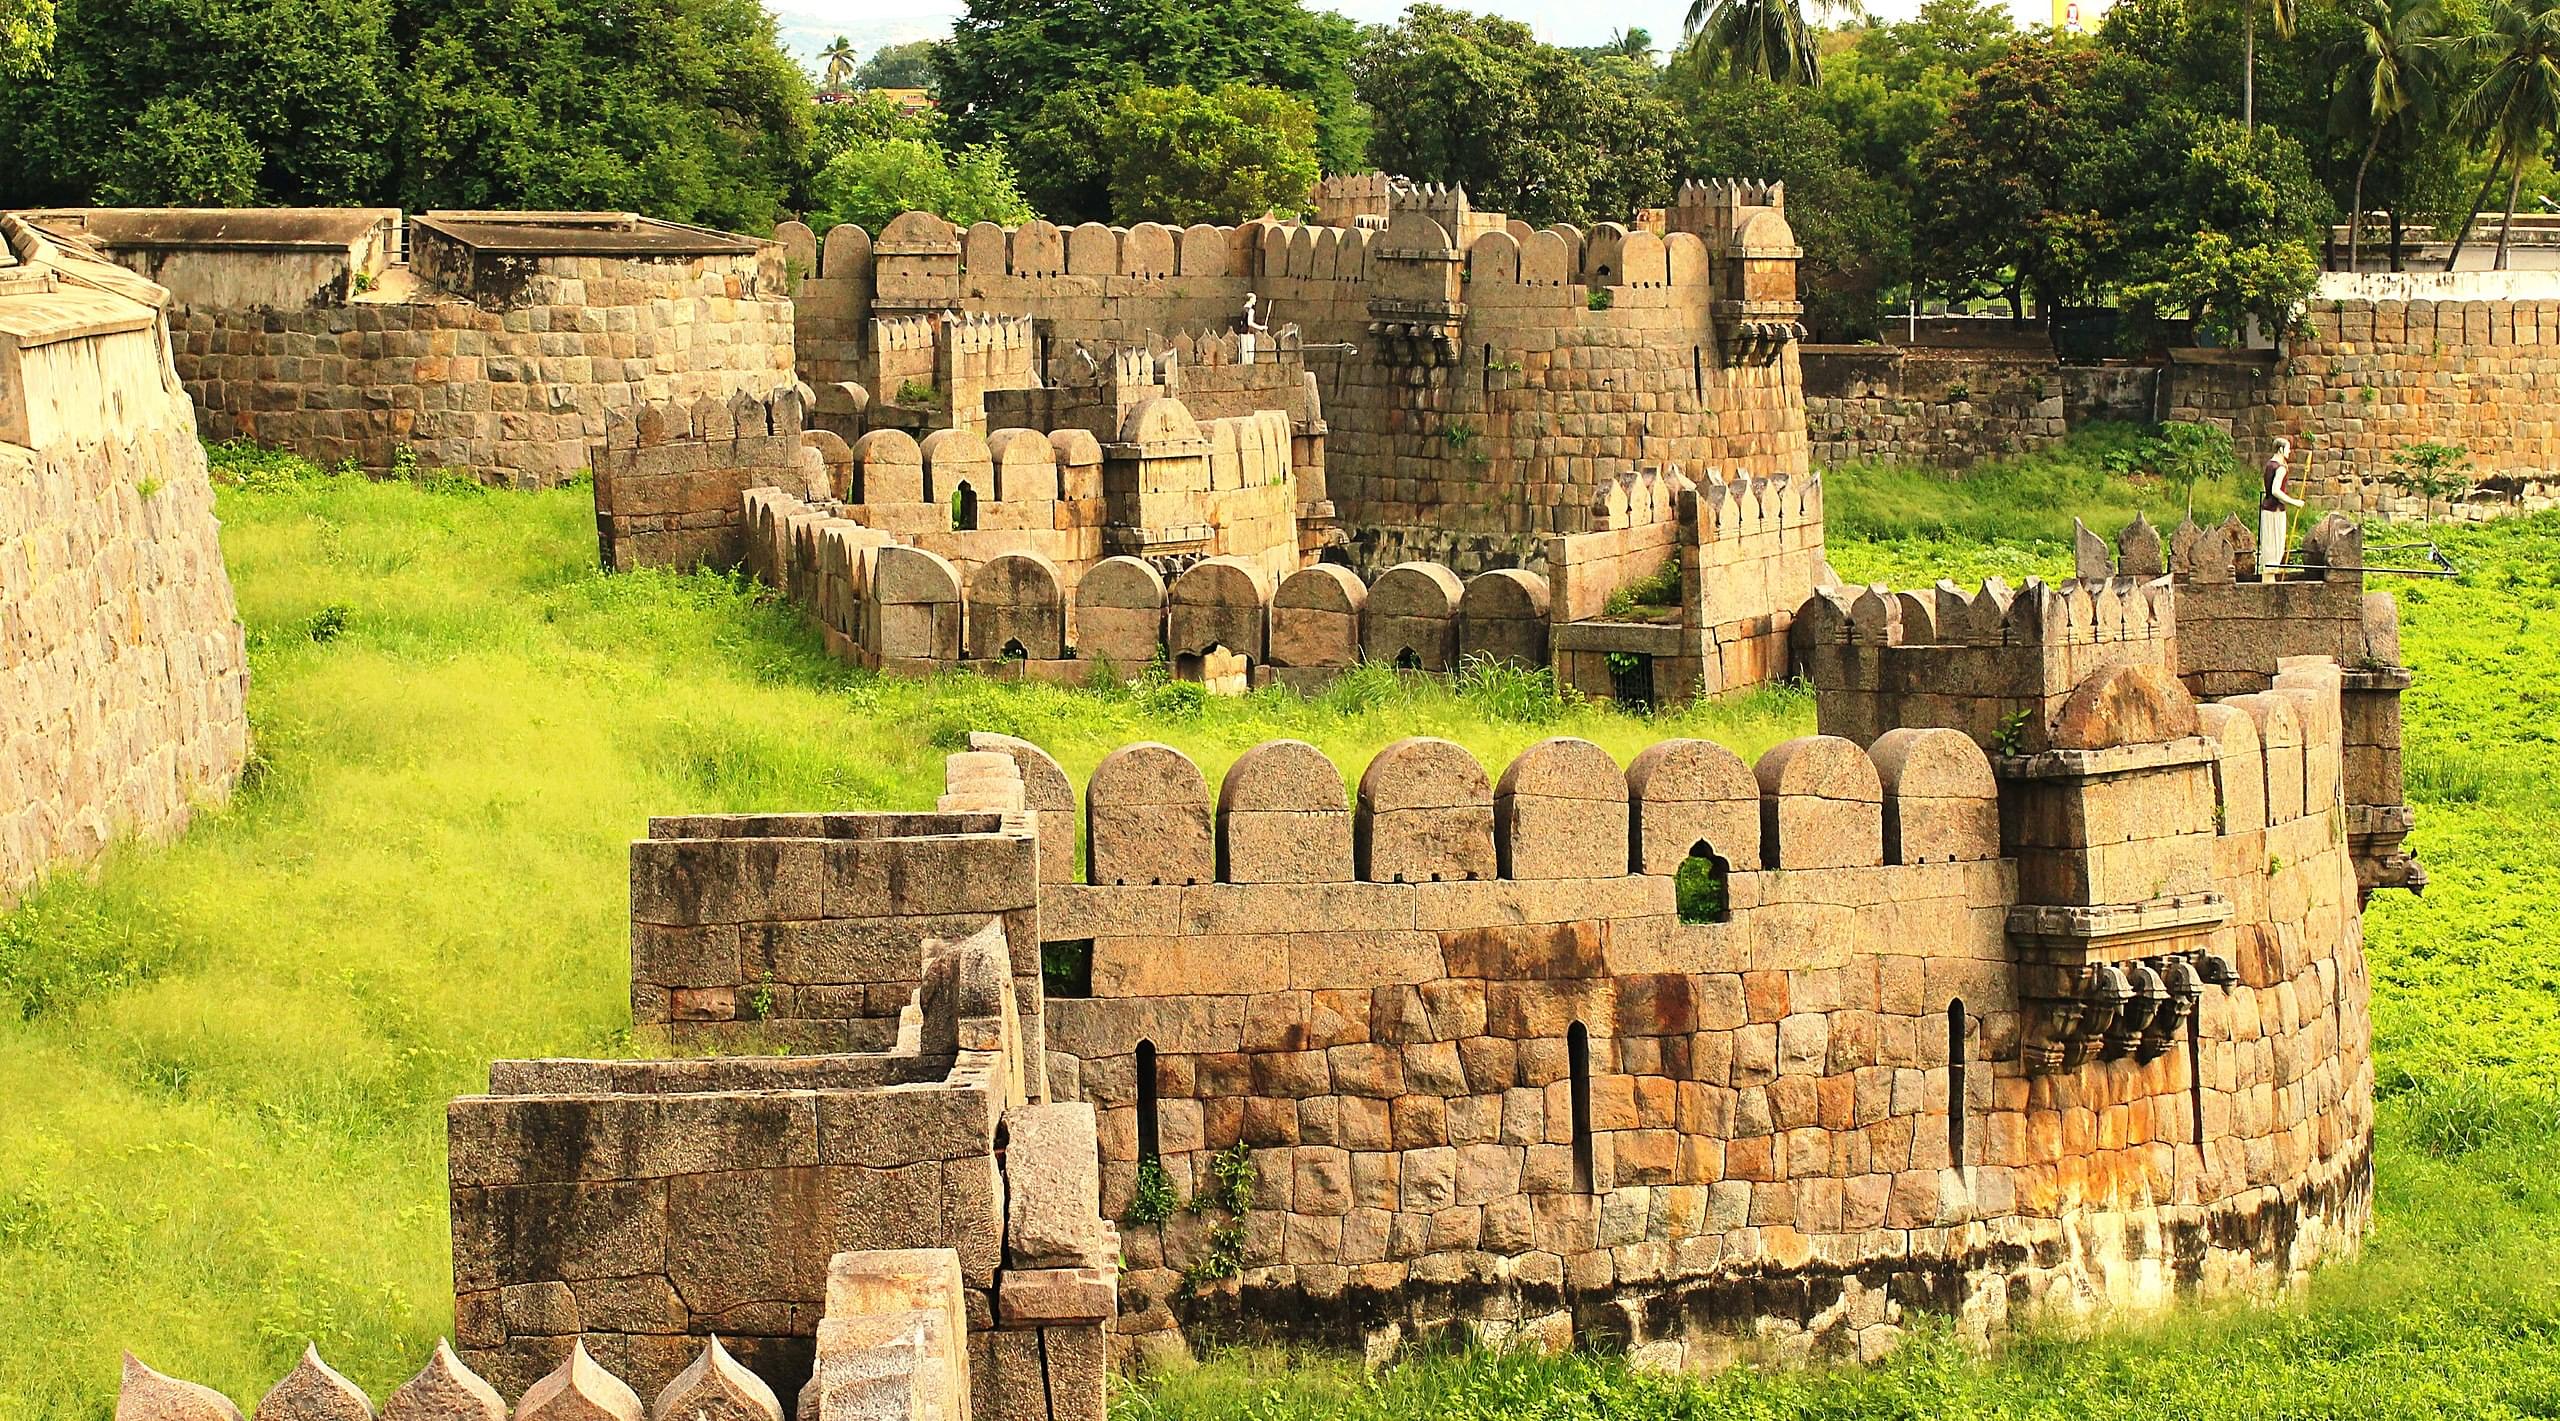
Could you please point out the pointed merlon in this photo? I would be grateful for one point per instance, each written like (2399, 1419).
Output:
(2090, 561)
(445, 1390)
(579, 1390)
(313, 1391)
(147, 1395)
(716, 1388)
(2143, 555)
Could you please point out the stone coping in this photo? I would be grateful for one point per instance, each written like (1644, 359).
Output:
(2116, 760)
(715, 1075)
(2116, 920)
(216, 228)
(579, 234)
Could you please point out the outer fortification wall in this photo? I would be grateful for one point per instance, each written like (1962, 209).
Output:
(1691, 1057)
(2382, 363)
(1479, 387)
(498, 348)
(122, 666)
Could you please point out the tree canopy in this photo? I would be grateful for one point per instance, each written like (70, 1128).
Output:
(1528, 128)
(686, 109)
(1181, 156)
(1041, 77)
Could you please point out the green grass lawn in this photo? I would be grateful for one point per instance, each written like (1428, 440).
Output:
(226, 1060)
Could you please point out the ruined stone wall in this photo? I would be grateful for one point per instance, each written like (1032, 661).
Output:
(122, 666)
(513, 386)
(635, 1207)
(1573, 357)
(892, 1341)
(669, 478)
(1950, 408)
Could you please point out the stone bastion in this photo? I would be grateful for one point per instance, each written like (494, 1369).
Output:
(1690, 1058)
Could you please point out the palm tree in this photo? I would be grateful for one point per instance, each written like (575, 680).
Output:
(2392, 70)
(2283, 11)
(2517, 105)
(1768, 38)
(1633, 43)
(839, 58)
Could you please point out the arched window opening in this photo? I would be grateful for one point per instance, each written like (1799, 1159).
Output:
(1701, 888)
(1147, 1135)
(1014, 650)
(964, 508)
(1408, 660)
(1698, 372)
(1955, 1082)
(1577, 1051)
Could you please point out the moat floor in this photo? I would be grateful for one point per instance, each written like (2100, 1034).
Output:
(227, 1060)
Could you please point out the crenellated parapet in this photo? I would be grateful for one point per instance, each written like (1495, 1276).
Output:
(1679, 1039)
(1481, 377)
(1997, 664)
(2237, 630)
(669, 476)
(1727, 562)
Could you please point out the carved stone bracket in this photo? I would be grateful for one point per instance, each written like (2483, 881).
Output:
(2113, 982)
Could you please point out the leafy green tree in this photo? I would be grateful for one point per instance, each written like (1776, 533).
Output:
(1234, 153)
(26, 35)
(2516, 108)
(2393, 77)
(2229, 232)
(309, 87)
(900, 66)
(684, 109)
(1853, 225)
(838, 58)
(1040, 75)
(874, 179)
(2020, 189)
(1528, 128)
(178, 153)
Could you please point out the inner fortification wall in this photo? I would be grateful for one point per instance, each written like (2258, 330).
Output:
(497, 355)
(123, 670)
(2381, 363)
(901, 596)
(1477, 395)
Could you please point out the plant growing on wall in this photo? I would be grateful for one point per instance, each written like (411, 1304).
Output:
(2432, 471)
(1233, 1182)
(1153, 1201)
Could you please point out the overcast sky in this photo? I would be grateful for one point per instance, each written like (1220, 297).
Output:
(870, 24)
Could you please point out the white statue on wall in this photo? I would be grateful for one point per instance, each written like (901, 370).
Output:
(2274, 501)
(1254, 326)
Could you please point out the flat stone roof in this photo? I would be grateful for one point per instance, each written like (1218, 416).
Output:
(579, 234)
(336, 228)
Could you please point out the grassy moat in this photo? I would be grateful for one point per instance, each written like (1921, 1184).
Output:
(226, 1061)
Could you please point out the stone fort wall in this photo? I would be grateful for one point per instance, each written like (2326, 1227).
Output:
(1533, 365)
(2379, 363)
(122, 666)
(1491, 1071)
(993, 602)
(498, 350)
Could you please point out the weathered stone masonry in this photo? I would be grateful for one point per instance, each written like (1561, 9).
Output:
(122, 666)
(497, 348)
